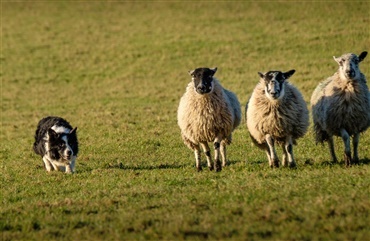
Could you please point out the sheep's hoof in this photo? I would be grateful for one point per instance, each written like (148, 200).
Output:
(211, 168)
(275, 163)
(355, 160)
(292, 165)
(347, 160)
(218, 166)
(199, 169)
(335, 161)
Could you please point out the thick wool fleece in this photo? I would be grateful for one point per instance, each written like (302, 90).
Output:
(202, 118)
(340, 103)
(279, 118)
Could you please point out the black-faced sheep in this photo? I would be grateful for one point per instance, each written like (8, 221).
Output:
(276, 113)
(208, 113)
(341, 106)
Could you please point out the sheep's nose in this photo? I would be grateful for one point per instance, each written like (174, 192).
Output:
(201, 88)
(350, 72)
(274, 94)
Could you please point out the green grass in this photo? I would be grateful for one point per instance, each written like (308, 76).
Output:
(117, 72)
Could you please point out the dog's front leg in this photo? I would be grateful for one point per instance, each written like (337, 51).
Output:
(47, 163)
(68, 168)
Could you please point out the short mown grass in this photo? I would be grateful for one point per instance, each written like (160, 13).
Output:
(117, 72)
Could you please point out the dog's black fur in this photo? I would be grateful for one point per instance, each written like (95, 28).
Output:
(56, 142)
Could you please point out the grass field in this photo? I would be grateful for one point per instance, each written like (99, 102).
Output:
(117, 72)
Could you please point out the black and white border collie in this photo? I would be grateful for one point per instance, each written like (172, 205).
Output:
(56, 142)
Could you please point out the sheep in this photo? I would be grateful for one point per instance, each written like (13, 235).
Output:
(208, 113)
(276, 113)
(341, 106)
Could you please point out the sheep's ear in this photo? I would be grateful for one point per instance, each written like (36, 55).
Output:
(338, 60)
(362, 56)
(191, 72)
(288, 74)
(213, 70)
(261, 75)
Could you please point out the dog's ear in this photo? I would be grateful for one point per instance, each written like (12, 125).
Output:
(52, 134)
(73, 131)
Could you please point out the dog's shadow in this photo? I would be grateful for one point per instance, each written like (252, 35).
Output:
(120, 165)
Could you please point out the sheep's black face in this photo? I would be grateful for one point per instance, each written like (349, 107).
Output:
(203, 79)
(349, 65)
(274, 83)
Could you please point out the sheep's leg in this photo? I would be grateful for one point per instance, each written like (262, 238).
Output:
(223, 153)
(268, 156)
(207, 151)
(197, 158)
(331, 148)
(356, 140)
(217, 162)
(288, 153)
(285, 157)
(347, 146)
(274, 160)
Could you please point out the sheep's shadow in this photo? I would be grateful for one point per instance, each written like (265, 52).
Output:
(364, 161)
(231, 162)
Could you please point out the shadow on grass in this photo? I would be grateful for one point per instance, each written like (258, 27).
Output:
(256, 162)
(195, 235)
(120, 165)
(232, 162)
(143, 167)
(365, 161)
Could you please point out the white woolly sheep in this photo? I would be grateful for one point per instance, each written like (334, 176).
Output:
(341, 106)
(208, 113)
(276, 113)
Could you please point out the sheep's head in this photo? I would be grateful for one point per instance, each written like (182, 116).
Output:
(203, 79)
(349, 65)
(275, 83)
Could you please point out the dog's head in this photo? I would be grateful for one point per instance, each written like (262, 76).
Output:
(61, 145)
